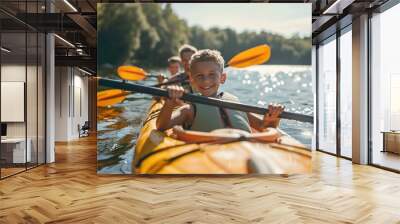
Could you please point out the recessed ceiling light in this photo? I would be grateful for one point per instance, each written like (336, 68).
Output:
(70, 5)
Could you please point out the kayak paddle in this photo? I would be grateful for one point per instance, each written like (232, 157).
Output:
(114, 96)
(253, 56)
(110, 97)
(133, 73)
(201, 99)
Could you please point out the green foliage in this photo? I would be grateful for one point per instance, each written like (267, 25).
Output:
(119, 30)
(171, 33)
(147, 34)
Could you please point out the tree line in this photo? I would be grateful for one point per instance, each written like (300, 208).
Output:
(146, 35)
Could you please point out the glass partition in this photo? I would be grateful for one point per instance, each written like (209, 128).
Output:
(327, 96)
(13, 95)
(22, 88)
(346, 93)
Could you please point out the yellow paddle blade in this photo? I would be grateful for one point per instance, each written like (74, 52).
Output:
(110, 101)
(110, 97)
(110, 93)
(132, 73)
(253, 56)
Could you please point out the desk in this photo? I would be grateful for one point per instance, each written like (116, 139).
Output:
(13, 150)
(391, 141)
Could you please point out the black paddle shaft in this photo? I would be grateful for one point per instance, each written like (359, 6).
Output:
(171, 82)
(200, 99)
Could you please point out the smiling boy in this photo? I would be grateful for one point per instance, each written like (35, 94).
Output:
(206, 75)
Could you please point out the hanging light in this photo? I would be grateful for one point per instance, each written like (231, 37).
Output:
(65, 41)
(84, 71)
(5, 50)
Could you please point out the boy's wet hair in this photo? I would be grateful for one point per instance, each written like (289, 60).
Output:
(187, 48)
(174, 59)
(207, 55)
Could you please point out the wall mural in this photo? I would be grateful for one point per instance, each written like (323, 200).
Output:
(195, 88)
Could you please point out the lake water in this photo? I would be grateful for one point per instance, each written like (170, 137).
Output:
(291, 86)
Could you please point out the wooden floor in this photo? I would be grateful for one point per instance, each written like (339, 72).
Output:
(10, 171)
(70, 191)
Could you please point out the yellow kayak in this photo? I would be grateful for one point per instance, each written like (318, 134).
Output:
(227, 152)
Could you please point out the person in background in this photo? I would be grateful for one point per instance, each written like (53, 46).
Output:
(174, 65)
(185, 52)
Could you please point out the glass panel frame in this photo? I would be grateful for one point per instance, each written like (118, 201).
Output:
(384, 72)
(27, 59)
(14, 73)
(346, 93)
(327, 74)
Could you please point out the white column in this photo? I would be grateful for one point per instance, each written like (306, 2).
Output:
(50, 98)
(360, 90)
(50, 92)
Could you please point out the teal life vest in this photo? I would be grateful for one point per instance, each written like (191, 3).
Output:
(208, 118)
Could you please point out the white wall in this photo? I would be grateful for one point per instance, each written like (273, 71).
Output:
(80, 109)
(12, 101)
(14, 73)
(71, 94)
(61, 103)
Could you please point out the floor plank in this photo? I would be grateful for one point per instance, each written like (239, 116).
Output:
(70, 191)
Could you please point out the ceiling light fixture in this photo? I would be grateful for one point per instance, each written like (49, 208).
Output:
(70, 5)
(80, 51)
(65, 41)
(5, 50)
